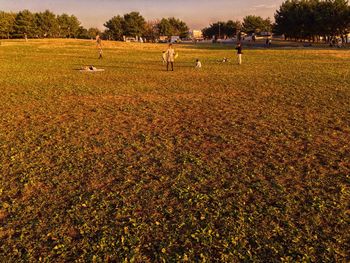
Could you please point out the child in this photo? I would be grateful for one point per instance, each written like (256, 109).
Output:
(164, 57)
(100, 53)
(170, 57)
(198, 64)
(239, 53)
(98, 40)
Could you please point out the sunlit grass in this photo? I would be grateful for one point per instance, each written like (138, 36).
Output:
(228, 163)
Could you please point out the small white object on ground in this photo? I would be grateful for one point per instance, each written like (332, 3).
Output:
(90, 69)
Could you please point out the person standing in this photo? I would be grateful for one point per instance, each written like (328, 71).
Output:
(170, 57)
(100, 52)
(99, 46)
(98, 40)
(239, 53)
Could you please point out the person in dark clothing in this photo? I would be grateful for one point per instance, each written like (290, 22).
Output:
(239, 53)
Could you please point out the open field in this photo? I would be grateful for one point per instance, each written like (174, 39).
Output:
(225, 164)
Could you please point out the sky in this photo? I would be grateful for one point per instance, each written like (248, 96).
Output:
(196, 13)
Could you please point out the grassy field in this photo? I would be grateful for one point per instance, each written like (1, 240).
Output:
(135, 164)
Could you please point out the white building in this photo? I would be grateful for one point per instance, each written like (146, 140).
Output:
(196, 34)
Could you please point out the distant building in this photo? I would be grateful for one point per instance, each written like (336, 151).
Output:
(196, 34)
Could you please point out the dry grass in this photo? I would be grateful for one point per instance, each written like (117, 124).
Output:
(229, 163)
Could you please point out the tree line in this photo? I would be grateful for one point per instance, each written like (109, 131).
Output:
(134, 24)
(26, 24)
(251, 24)
(313, 19)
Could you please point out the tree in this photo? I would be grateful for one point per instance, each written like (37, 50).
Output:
(63, 25)
(214, 30)
(165, 28)
(232, 28)
(340, 20)
(68, 25)
(133, 24)
(46, 24)
(179, 27)
(74, 26)
(42, 24)
(93, 32)
(24, 24)
(7, 21)
(151, 30)
(310, 19)
(222, 29)
(82, 33)
(114, 28)
(173, 27)
(256, 24)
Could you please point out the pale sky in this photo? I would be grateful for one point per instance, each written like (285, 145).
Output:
(196, 13)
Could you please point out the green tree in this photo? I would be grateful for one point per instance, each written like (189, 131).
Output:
(232, 28)
(93, 32)
(63, 25)
(216, 30)
(7, 21)
(165, 28)
(133, 24)
(74, 26)
(310, 19)
(46, 24)
(173, 27)
(69, 26)
(114, 29)
(287, 20)
(24, 24)
(340, 20)
(256, 24)
(222, 29)
(179, 27)
(82, 33)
